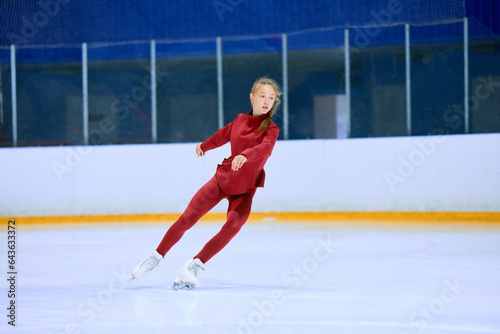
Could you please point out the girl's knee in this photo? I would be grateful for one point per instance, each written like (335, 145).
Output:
(186, 220)
(234, 227)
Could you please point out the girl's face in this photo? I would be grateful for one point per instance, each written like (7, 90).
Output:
(263, 100)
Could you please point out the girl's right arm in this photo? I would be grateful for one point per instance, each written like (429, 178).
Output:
(218, 139)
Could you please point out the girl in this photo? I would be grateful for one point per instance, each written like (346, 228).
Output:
(252, 137)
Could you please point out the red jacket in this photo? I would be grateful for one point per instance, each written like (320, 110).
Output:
(246, 139)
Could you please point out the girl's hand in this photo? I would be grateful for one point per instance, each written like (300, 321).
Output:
(238, 161)
(199, 152)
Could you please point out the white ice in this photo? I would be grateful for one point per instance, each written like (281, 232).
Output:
(271, 278)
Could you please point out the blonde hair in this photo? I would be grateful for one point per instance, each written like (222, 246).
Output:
(267, 81)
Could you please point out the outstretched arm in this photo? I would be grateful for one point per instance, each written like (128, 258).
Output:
(218, 139)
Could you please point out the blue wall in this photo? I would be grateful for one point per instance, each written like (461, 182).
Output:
(72, 22)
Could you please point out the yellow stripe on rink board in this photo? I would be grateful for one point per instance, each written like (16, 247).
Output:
(388, 216)
(354, 216)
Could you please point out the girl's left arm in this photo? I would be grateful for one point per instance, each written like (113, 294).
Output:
(265, 148)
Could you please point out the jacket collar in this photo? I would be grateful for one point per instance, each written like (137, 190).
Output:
(256, 120)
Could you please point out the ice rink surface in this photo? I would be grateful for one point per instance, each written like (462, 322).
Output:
(272, 278)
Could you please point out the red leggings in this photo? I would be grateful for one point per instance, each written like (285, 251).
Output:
(203, 201)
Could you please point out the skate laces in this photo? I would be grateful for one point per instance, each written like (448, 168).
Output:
(193, 267)
(150, 263)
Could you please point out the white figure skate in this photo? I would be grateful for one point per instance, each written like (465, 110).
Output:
(144, 268)
(187, 276)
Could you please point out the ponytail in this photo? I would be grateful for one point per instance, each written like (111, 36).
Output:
(267, 121)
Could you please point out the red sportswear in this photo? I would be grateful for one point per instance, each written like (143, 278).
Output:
(237, 187)
(255, 145)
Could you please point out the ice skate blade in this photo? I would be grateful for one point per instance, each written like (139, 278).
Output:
(182, 286)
